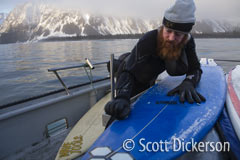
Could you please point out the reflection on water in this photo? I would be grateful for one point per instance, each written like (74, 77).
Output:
(222, 49)
(24, 66)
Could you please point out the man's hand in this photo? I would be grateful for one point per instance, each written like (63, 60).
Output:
(187, 91)
(118, 108)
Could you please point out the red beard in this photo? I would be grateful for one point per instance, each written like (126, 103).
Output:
(169, 50)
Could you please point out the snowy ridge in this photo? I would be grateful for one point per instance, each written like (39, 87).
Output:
(41, 21)
(3, 16)
(212, 26)
(33, 22)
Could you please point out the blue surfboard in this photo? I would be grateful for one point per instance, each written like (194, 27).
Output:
(159, 126)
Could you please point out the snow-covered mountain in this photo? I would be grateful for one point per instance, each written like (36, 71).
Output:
(3, 16)
(208, 26)
(33, 22)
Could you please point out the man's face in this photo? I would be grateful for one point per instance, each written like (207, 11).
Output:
(170, 43)
(172, 37)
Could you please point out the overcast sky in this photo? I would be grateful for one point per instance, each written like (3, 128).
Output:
(217, 9)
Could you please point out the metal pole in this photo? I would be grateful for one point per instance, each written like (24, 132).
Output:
(65, 87)
(91, 80)
(112, 77)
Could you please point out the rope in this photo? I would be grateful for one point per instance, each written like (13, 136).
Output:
(90, 77)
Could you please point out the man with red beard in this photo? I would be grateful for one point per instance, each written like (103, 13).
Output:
(170, 48)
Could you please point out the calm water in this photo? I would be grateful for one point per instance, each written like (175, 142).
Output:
(23, 67)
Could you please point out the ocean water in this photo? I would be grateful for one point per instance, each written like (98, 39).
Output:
(24, 66)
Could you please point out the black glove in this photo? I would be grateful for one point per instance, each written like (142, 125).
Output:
(118, 108)
(186, 90)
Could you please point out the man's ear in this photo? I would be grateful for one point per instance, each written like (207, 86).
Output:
(186, 38)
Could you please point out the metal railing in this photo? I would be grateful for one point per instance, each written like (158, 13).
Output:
(86, 65)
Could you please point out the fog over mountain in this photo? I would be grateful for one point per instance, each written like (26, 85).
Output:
(38, 21)
(214, 9)
(3, 16)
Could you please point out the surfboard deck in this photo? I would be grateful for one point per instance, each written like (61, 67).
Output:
(232, 100)
(156, 117)
(84, 133)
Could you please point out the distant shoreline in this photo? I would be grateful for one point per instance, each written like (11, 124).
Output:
(122, 36)
(136, 36)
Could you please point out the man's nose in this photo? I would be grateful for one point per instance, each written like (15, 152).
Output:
(171, 36)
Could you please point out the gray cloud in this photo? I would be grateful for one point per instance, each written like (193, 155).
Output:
(218, 9)
(214, 9)
(150, 8)
(8, 5)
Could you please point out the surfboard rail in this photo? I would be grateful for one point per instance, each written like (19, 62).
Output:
(232, 101)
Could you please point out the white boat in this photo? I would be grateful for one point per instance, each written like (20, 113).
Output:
(38, 125)
(35, 128)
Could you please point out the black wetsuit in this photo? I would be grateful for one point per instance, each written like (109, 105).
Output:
(139, 70)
